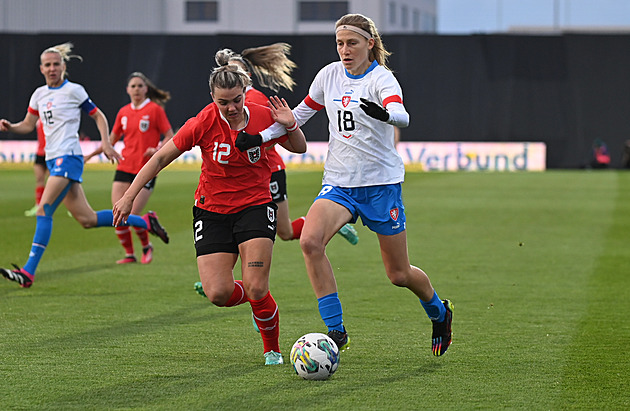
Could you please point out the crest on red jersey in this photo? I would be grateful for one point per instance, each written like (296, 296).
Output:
(394, 213)
(345, 100)
(144, 125)
(253, 154)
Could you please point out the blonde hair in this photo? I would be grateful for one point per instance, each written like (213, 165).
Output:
(378, 52)
(63, 50)
(156, 95)
(270, 64)
(229, 76)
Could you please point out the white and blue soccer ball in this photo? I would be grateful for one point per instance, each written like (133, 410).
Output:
(315, 356)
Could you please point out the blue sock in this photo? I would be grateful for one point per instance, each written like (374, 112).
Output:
(331, 312)
(435, 308)
(105, 218)
(43, 231)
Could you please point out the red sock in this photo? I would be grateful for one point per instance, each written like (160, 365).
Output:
(124, 236)
(143, 235)
(297, 227)
(238, 295)
(38, 194)
(268, 320)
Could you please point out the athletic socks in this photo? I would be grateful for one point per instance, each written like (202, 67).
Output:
(297, 226)
(238, 296)
(435, 308)
(105, 218)
(43, 231)
(124, 236)
(331, 312)
(39, 190)
(267, 319)
(143, 235)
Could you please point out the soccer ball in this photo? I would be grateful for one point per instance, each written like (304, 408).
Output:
(315, 356)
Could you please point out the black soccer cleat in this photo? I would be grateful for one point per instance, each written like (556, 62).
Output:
(442, 334)
(24, 279)
(155, 227)
(340, 338)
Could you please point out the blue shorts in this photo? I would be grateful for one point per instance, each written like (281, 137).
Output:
(380, 207)
(70, 167)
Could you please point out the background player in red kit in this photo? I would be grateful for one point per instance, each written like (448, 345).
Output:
(233, 211)
(141, 124)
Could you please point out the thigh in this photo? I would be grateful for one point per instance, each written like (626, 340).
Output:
(394, 252)
(216, 270)
(255, 266)
(323, 220)
(76, 202)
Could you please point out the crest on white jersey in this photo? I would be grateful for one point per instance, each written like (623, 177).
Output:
(253, 154)
(345, 100)
(144, 125)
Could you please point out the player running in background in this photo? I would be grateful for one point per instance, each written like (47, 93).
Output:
(233, 212)
(362, 174)
(141, 123)
(39, 168)
(273, 68)
(58, 104)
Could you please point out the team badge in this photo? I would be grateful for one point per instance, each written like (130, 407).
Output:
(345, 100)
(144, 125)
(59, 161)
(273, 187)
(253, 154)
(394, 213)
(271, 214)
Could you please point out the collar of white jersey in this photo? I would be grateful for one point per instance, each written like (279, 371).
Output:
(372, 67)
(59, 86)
(142, 105)
(245, 109)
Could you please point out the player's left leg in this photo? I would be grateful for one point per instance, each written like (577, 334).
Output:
(402, 274)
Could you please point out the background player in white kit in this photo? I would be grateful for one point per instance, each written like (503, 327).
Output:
(59, 104)
(362, 174)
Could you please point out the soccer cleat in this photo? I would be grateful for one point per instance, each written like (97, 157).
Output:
(31, 212)
(199, 289)
(349, 233)
(273, 358)
(127, 260)
(155, 227)
(340, 338)
(147, 254)
(442, 334)
(255, 325)
(24, 279)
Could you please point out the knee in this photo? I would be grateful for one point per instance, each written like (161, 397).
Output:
(85, 221)
(256, 291)
(218, 297)
(285, 234)
(400, 278)
(311, 246)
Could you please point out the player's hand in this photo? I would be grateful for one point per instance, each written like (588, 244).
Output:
(5, 125)
(111, 154)
(246, 141)
(121, 210)
(374, 110)
(280, 111)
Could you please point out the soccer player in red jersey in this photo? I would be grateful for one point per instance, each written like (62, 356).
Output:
(233, 211)
(141, 124)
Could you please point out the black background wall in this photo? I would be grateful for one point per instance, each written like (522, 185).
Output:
(565, 90)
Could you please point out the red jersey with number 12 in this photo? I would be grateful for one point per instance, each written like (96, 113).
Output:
(230, 180)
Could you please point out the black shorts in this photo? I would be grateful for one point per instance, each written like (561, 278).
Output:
(128, 178)
(222, 233)
(278, 186)
(41, 160)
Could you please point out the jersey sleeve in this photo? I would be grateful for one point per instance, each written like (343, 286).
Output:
(118, 127)
(32, 105)
(185, 138)
(390, 94)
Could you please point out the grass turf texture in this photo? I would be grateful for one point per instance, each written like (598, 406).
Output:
(540, 325)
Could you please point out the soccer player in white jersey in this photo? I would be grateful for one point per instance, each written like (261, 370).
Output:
(362, 174)
(58, 104)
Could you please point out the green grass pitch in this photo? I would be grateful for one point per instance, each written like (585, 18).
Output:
(537, 265)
